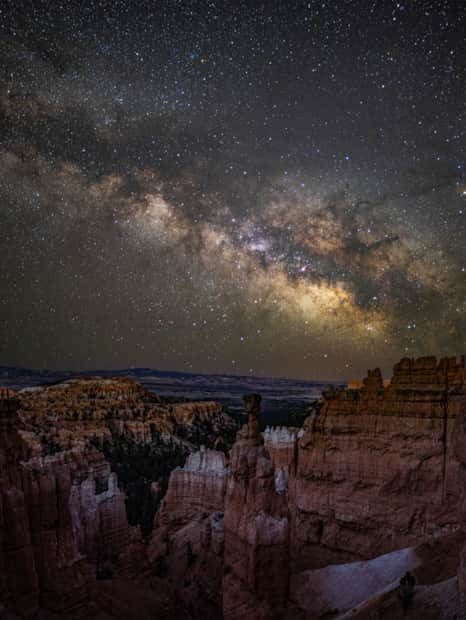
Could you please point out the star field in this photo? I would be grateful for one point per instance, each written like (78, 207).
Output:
(272, 188)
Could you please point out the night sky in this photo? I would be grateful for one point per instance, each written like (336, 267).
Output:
(246, 187)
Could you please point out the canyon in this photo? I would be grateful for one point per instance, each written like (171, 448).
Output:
(83, 465)
(288, 523)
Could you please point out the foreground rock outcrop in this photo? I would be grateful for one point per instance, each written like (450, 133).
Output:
(374, 485)
(196, 488)
(377, 468)
(40, 559)
(187, 545)
(256, 528)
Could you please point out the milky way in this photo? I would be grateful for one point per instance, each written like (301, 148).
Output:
(270, 188)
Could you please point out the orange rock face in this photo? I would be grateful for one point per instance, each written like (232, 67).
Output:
(377, 468)
(70, 413)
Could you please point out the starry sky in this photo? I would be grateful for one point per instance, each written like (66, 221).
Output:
(271, 188)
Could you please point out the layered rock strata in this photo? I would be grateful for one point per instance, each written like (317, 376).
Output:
(40, 562)
(63, 519)
(69, 414)
(187, 544)
(282, 443)
(374, 483)
(255, 582)
(376, 469)
(197, 488)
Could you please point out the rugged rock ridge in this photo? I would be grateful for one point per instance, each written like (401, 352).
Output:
(425, 371)
(232, 521)
(69, 413)
(374, 483)
(187, 544)
(377, 468)
(63, 520)
(281, 444)
(458, 404)
(142, 436)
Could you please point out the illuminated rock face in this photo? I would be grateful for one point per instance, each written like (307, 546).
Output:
(74, 411)
(198, 487)
(376, 469)
(188, 536)
(228, 521)
(281, 444)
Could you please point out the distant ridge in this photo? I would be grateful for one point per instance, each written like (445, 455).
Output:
(18, 371)
(194, 386)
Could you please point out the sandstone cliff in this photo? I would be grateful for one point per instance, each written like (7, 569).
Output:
(198, 487)
(40, 559)
(376, 468)
(255, 582)
(372, 486)
(187, 544)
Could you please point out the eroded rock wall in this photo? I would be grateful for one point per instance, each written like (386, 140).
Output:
(377, 469)
(197, 488)
(255, 582)
(40, 563)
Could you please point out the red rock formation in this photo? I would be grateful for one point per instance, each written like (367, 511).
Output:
(380, 469)
(188, 536)
(70, 413)
(458, 405)
(255, 583)
(375, 471)
(193, 560)
(376, 468)
(282, 445)
(62, 515)
(41, 562)
(19, 582)
(425, 371)
(56, 531)
(198, 487)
